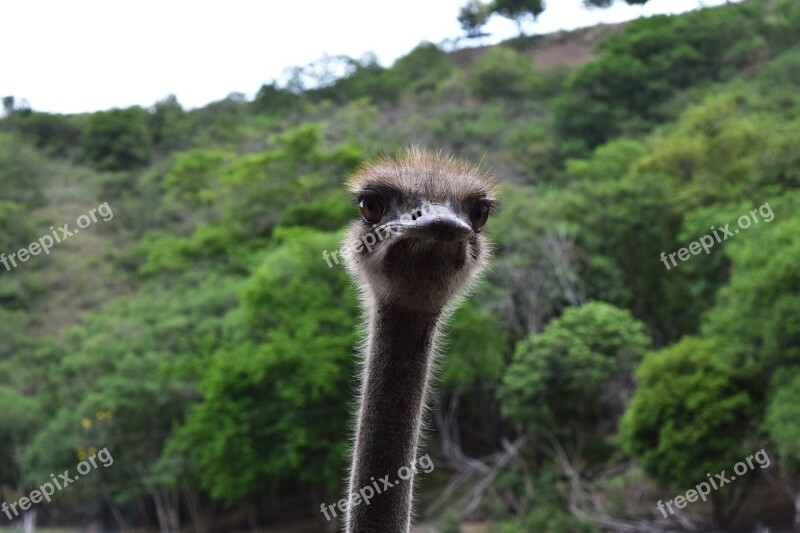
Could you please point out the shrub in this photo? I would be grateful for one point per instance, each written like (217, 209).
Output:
(505, 73)
(424, 68)
(118, 139)
(55, 134)
(624, 89)
(577, 373)
(689, 416)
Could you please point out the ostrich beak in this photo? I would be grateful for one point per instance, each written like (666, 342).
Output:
(438, 223)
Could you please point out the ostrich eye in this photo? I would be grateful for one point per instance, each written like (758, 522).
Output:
(372, 208)
(479, 215)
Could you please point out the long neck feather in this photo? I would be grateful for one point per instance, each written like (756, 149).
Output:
(400, 351)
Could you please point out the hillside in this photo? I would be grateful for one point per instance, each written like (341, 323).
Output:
(635, 335)
(552, 50)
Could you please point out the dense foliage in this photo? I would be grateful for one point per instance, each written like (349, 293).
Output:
(207, 334)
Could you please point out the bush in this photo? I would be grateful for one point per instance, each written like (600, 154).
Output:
(505, 73)
(280, 392)
(273, 99)
(534, 146)
(783, 419)
(118, 139)
(424, 68)
(576, 374)
(22, 172)
(763, 286)
(364, 78)
(57, 135)
(644, 64)
(689, 416)
(169, 124)
(783, 25)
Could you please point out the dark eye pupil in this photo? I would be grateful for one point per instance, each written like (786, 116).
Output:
(479, 215)
(371, 209)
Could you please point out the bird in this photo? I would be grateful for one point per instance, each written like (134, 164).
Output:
(415, 252)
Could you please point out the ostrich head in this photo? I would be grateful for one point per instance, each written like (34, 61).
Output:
(419, 242)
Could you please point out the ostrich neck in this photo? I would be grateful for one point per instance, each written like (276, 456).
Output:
(400, 350)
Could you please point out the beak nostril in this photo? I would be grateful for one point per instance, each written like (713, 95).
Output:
(442, 225)
(444, 231)
(434, 222)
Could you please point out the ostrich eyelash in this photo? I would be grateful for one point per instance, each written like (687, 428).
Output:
(357, 196)
(493, 205)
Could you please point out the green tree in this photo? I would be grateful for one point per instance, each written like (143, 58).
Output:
(641, 67)
(8, 104)
(473, 16)
(169, 124)
(783, 419)
(691, 414)
(715, 152)
(758, 312)
(475, 355)
(22, 175)
(424, 68)
(518, 10)
(194, 176)
(53, 134)
(783, 426)
(575, 377)
(361, 78)
(123, 379)
(783, 28)
(118, 139)
(22, 415)
(271, 98)
(274, 402)
(505, 73)
(623, 241)
(259, 187)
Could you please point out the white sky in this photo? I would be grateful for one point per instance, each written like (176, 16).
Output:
(85, 55)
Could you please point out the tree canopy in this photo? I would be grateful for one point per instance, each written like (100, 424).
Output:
(208, 335)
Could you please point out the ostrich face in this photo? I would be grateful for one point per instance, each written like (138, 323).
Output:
(419, 242)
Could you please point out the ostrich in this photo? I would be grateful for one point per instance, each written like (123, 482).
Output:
(428, 211)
